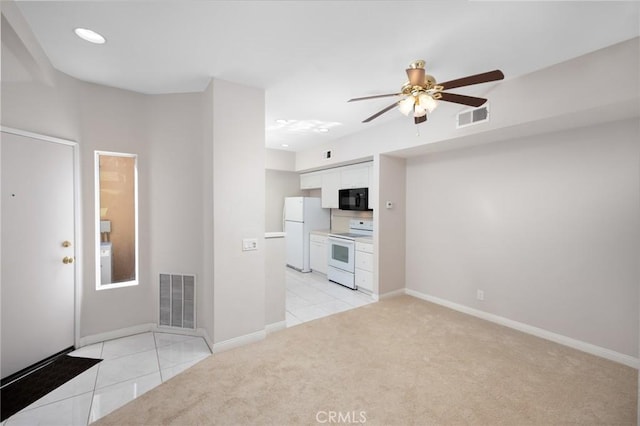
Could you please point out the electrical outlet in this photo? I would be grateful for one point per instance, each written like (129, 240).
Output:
(480, 295)
(249, 244)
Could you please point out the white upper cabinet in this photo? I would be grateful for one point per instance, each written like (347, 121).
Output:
(356, 177)
(373, 193)
(330, 187)
(332, 180)
(311, 180)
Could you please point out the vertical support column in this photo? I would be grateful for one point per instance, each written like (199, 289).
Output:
(238, 206)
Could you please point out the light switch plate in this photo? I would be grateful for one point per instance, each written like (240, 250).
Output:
(249, 244)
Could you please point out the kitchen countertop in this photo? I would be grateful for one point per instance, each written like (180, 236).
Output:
(326, 232)
(274, 234)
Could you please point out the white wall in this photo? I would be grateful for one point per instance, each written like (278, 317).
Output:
(205, 313)
(275, 282)
(201, 175)
(29, 101)
(98, 118)
(278, 185)
(554, 98)
(238, 209)
(113, 120)
(390, 224)
(30, 86)
(165, 132)
(547, 226)
(277, 159)
(175, 215)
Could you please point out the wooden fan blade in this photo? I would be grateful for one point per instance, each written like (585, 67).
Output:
(462, 99)
(416, 76)
(374, 97)
(379, 113)
(484, 77)
(419, 120)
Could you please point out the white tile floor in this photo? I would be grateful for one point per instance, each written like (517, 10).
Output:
(311, 296)
(131, 366)
(136, 364)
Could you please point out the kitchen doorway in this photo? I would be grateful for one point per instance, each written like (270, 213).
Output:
(310, 296)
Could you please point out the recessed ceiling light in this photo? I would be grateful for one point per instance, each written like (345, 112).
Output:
(89, 35)
(322, 130)
(284, 145)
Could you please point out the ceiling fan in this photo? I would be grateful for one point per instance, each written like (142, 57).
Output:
(421, 93)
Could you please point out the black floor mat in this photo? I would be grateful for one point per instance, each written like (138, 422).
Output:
(27, 390)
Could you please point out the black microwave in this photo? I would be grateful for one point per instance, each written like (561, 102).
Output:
(353, 199)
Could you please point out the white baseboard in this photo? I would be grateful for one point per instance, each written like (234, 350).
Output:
(116, 334)
(175, 330)
(276, 326)
(393, 293)
(205, 335)
(535, 331)
(235, 342)
(143, 328)
(198, 332)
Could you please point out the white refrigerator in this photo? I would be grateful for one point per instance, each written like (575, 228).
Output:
(301, 216)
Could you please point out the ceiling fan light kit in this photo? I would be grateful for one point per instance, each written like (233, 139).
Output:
(421, 93)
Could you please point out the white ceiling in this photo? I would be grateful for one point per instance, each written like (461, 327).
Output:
(310, 57)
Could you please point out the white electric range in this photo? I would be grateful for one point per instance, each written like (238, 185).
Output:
(342, 252)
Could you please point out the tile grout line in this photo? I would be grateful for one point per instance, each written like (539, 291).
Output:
(126, 380)
(95, 384)
(157, 357)
(92, 391)
(27, 409)
(352, 300)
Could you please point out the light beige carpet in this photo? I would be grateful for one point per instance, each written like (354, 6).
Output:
(402, 361)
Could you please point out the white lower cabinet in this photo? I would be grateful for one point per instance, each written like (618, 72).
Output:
(364, 280)
(318, 253)
(364, 266)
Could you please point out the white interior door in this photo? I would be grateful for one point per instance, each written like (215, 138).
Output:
(38, 289)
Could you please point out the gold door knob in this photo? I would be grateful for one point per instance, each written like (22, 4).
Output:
(66, 244)
(66, 260)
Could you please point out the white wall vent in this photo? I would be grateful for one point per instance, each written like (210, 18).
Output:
(178, 301)
(473, 116)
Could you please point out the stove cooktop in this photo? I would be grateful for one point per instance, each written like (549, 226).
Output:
(357, 229)
(349, 235)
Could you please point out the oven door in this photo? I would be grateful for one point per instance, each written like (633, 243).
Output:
(341, 253)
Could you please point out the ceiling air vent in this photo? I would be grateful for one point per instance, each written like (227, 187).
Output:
(473, 116)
